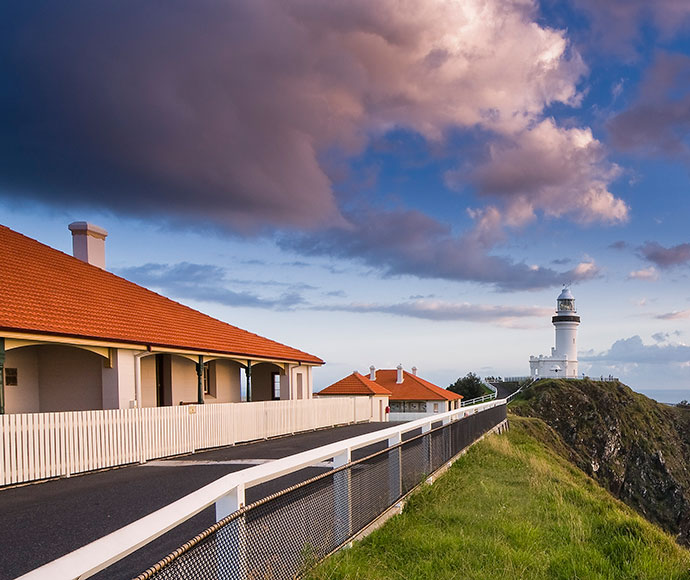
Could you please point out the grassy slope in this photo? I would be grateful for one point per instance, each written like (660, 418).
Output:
(513, 508)
(635, 447)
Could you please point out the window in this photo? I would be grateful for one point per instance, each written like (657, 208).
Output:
(209, 380)
(11, 377)
(435, 407)
(275, 381)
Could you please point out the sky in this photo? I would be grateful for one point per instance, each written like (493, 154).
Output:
(373, 182)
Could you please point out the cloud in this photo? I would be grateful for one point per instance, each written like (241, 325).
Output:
(440, 310)
(650, 274)
(664, 336)
(205, 283)
(570, 179)
(411, 243)
(665, 257)
(232, 115)
(675, 315)
(221, 112)
(633, 350)
(658, 122)
(619, 245)
(618, 25)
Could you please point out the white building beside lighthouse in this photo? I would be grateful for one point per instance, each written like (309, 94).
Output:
(563, 359)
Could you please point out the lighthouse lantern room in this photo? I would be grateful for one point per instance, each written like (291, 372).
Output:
(563, 359)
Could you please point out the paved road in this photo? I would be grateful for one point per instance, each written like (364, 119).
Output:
(505, 389)
(43, 521)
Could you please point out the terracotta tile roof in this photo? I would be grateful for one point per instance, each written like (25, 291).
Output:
(49, 292)
(413, 388)
(354, 384)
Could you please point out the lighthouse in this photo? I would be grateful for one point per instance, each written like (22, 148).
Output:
(563, 359)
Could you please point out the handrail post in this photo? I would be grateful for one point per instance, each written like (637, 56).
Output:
(234, 538)
(342, 497)
(426, 446)
(395, 483)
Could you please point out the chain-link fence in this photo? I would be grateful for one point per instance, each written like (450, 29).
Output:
(282, 535)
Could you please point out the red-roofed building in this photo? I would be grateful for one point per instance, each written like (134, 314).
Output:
(407, 392)
(76, 337)
(360, 386)
(413, 394)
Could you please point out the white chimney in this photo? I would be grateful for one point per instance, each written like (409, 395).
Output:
(88, 243)
(414, 371)
(372, 372)
(400, 375)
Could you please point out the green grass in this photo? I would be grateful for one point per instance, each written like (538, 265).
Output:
(512, 508)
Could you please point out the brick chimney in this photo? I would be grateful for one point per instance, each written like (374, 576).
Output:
(400, 375)
(372, 372)
(88, 243)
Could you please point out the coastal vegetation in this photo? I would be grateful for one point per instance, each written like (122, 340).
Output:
(470, 387)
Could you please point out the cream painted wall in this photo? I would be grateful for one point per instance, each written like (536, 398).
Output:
(118, 389)
(226, 375)
(148, 381)
(24, 398)
(69, 379)
(378, 407)
(184, 380)
(307, 383)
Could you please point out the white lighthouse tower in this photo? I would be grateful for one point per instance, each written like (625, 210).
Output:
(563, 360)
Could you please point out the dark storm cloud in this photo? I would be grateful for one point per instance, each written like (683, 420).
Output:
(205, 283)
(409, 242)
(665, 257)
(157, 109)
(220, 113)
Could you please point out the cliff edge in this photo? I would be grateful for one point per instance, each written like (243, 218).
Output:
(635, 447)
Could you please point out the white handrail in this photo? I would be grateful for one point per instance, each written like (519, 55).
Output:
(103, 552)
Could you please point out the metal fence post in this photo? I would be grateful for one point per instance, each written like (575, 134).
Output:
(234, 541)
(342, 498)
(426, 446)
(394, 469)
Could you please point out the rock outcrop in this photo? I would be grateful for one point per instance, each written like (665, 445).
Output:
(635, 447)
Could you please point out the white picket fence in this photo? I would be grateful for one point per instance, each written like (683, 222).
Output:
(44, 445)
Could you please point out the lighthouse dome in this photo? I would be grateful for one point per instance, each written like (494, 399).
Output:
(566, 294)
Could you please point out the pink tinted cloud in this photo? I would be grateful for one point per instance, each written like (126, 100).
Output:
(675, 315)
(649, 274)
(561, 172)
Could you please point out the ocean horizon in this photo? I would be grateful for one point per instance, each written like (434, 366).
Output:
(666, 395)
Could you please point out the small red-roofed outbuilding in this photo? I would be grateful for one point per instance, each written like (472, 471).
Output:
(406, 392)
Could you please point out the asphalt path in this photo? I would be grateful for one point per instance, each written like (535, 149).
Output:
(43, 521)
(505, 390)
